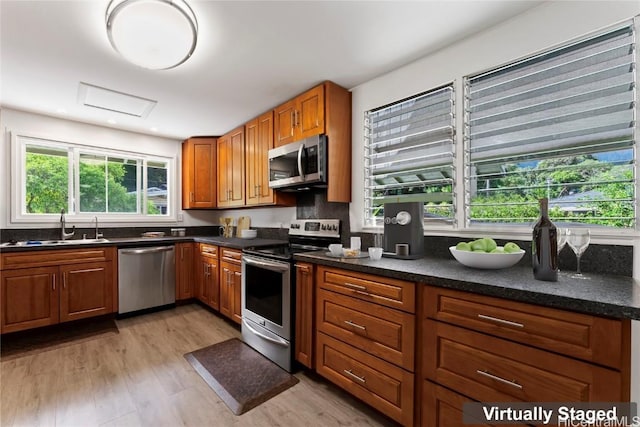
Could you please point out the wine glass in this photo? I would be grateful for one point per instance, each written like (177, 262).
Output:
(561, 234)
(578, 239)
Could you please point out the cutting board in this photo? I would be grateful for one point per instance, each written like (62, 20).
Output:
(244, 223)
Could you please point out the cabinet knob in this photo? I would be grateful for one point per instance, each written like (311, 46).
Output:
(53, 282)
(191, 196)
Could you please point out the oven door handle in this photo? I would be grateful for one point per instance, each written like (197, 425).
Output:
(261, 335)
(268, 265)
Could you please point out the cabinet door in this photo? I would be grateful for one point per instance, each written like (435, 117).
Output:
(224, 159)
(284, 123)
(310, 113)
(208, 290)
(265, 143)
(235, 167)
(184, 271)
(236, 293)
(225, 289)
(86, 290)
(199, 173)
(304, 314)
(252, 159)
(258, 142)
(212, 284)
(442, 407)
(29, 298)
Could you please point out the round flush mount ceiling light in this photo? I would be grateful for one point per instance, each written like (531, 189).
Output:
(154, 34)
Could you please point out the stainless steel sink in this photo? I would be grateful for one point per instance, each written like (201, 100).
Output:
(38, 243)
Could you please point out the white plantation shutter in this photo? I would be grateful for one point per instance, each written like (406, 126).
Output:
(576, 100)
(409, 155)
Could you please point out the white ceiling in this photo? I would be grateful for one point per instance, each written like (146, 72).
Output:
(251, 55)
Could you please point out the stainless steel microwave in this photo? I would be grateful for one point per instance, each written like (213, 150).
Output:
(299, 165)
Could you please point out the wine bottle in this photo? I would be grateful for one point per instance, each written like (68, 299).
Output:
(544, 246)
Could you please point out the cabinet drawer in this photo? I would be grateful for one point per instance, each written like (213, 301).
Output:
(208, 250)
(442, 407)
(230, 255)
(381, 290)
(381, 331)
(386, 387)
(587, 337)
(492, 369)
(55, 257)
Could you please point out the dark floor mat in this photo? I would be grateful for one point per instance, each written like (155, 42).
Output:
(24, 343)
(242, 377)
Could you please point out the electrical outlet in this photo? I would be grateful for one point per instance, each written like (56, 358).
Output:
(180, 217)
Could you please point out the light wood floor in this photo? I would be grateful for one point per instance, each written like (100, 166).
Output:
(139, 377)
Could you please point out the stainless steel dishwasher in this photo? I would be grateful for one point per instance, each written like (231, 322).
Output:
(146, 278)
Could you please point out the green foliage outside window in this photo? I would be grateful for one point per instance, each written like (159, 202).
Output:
(47, 183)
(512, 197)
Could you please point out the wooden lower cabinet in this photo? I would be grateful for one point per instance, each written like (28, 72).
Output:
(491, 369)
(208, 286)
(384, 386)
(185, 271)
(86, 290)
(231, 291)
(304, 314)
(231, 284)
(48, 287)
(365, 338)
(29, 298)
(442, 407)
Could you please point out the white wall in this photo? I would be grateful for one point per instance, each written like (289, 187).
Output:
(547, 25)
(82, 133)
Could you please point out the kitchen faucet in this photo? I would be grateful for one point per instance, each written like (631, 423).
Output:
(98, 234)
(63, 234)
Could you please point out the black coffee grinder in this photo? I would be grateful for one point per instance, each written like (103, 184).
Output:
(403, 230)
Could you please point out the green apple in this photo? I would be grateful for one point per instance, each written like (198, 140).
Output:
(497, 251)
(478, 245)
(511, 247)
(489, 244)
(463, 246)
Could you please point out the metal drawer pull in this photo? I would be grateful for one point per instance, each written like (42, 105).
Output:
(502, 380)
(351, 285)
(53, 281)
(354, 376)
(497, 320)
(355, 325)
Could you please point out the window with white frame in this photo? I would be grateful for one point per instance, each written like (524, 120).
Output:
(409, 155)
(560, 124)
(82, 180)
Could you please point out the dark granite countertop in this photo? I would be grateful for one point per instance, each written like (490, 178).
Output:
(603, 295)
(233, 242)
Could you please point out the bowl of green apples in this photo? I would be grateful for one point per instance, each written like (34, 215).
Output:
(485, 253)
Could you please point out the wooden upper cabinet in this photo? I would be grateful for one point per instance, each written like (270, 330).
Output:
(285, 123)
(301, 117)
(231, 172)
(258, 142)
(324, 109)
(199, 173)
(310, 114)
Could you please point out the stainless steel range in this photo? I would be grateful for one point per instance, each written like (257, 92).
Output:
(268, 288)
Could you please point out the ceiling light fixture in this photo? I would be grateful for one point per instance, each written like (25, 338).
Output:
(153, 34)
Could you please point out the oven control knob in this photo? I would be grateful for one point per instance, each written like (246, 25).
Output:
(334, 227)
(323, 227)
